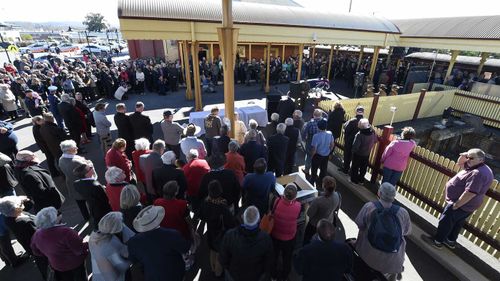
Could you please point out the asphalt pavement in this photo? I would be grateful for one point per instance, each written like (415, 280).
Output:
(418, 265)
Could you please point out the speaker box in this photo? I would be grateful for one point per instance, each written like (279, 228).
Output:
(296, 89)
(272, 104)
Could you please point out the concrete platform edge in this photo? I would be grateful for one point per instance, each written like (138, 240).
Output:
(457, 266)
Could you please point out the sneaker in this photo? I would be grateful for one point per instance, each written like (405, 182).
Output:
(450, 244)
(437, 245)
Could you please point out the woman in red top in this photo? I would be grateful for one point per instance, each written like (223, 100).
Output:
(235, 162)
(141, 147)
(176, 211)
(194, 171)
(116, 157)
(115, 178)
(286, 212)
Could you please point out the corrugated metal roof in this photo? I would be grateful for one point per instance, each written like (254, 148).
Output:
(251, 13)
(274, 2)
(460, 59)
(480, 27)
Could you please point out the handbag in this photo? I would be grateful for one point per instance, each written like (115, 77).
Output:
(267, 221)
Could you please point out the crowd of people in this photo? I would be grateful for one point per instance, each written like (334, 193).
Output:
(158, 191)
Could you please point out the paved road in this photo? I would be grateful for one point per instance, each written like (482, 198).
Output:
(419, 266)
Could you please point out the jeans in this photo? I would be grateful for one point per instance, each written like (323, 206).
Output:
(347, 157)
(450, 223)
(285, 250)
(391, 176)
(320, 162)
(358, 169)
(308, 160)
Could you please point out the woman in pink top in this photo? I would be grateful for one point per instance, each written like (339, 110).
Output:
(396, 154)
(286, 212)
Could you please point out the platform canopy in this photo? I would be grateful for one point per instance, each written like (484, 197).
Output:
(198, 20)
(479, 33)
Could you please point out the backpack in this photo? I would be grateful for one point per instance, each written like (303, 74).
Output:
(385, 232)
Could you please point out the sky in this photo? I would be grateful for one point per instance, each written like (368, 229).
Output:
(75, 10)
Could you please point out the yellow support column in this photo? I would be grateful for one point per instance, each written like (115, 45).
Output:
(268, 66)
(314, 52)
(484, 56)
(212, 52)
(361, 50)
(330, 62)
(389, 55)
(283, 56)
(187, 71)
(374, 62)
(454, 54)
(299, 68)
(196, 76)
(228, 39)
(250, 51)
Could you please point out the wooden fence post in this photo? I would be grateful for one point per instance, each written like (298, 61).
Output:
(419, 104)
(382, 144)
(373, 109)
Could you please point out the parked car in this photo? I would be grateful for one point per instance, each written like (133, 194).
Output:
(66, 47)
(38, 47)
(95, 49)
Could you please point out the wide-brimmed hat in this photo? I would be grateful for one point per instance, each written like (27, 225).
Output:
(192, 128)
(149, 218)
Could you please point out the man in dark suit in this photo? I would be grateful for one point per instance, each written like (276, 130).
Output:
(71, 119)
(141, 124)
(286, 108)
(168, 172)
(52, 136)
(324, 258)
(293, 135)
(277, 145)
(122, 122)
(252, 151)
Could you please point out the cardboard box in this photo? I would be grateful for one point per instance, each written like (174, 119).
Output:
(306, 192)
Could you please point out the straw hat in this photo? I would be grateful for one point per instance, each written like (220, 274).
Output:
(149, 218)
(193, 128)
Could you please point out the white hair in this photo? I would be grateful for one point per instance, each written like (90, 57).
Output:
(65, 98)
(289, 122)
(253, 124)
(111, 223)
(129, 197)
(387, 192)
(364, 123)
(193, 153)
(168, 157)
(114, 175)
(251, 216)
(8, 205)
(46, 218)
(159, 146)
(280, 128)
(297, 113)
(67, 145)
(142, 144)
(275, 116)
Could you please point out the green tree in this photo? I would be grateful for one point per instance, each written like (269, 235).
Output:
(26, 37)
(95, 22)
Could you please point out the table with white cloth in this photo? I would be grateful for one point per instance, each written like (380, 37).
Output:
(254, 112)
(245, 113)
